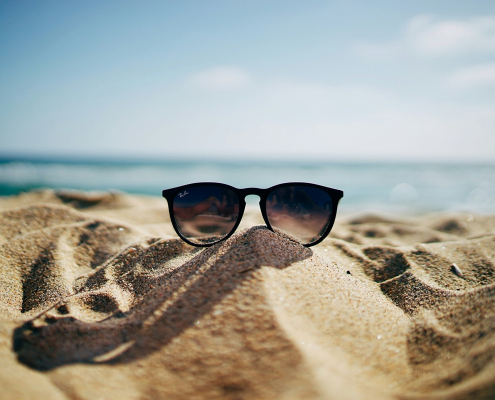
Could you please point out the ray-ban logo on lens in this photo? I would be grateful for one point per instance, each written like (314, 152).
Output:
(184, 193)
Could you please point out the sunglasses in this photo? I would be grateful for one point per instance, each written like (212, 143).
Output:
(206, 213)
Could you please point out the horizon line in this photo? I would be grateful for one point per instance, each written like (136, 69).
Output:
(44, 158)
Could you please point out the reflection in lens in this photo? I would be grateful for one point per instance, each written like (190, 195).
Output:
(206, 214)
(303, 212)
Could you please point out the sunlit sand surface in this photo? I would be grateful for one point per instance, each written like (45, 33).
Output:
(100, 299)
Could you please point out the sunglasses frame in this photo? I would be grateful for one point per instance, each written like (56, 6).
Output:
(170, 194)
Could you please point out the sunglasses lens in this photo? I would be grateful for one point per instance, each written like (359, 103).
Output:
(303, 212)
(206, 214)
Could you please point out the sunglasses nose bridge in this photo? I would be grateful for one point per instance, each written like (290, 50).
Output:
(261, 194)
(251, 192)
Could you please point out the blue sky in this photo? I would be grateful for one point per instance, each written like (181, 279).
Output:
(353, 80)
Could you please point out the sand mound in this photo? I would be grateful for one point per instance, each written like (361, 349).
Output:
(99, 299)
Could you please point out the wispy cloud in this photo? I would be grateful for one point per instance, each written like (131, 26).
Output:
(475, 76)
(220, 78)
(427, 35)
(432, 37)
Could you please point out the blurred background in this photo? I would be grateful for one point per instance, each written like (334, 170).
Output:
(392, 102)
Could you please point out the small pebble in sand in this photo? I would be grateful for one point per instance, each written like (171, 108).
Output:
(456, 270)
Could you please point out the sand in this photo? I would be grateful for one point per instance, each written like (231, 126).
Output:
(100, 300)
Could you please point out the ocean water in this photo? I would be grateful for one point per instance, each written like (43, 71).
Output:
(367, 186)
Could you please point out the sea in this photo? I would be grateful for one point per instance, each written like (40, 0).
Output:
(389, 187)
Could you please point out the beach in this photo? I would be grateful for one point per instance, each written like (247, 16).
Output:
(99, 299)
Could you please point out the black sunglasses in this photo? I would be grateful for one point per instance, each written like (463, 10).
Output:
(206, 213)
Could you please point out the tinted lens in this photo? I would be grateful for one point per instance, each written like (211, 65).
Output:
(303, 212)
(206, 214)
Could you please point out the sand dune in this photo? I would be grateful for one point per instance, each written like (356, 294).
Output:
(100, 299)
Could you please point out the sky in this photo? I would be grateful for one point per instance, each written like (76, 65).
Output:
(329, 80)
